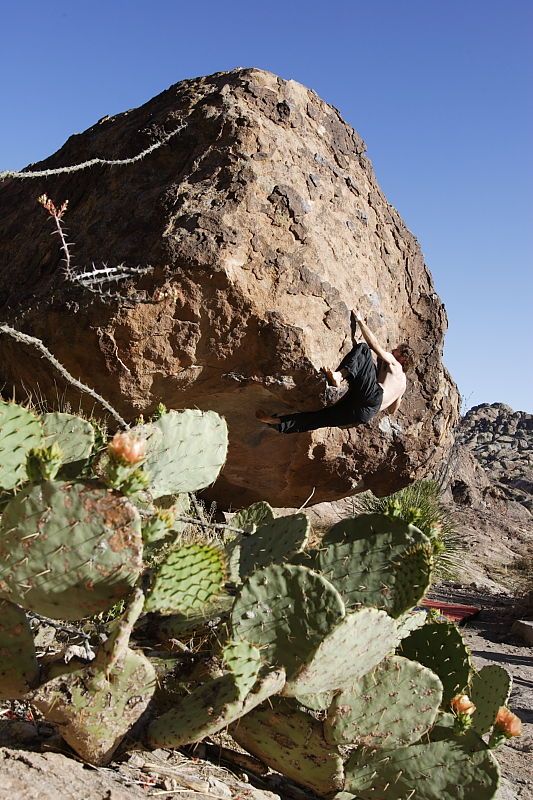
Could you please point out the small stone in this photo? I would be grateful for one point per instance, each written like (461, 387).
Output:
(524, 629)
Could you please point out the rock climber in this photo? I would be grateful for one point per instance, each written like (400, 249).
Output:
(371, 387)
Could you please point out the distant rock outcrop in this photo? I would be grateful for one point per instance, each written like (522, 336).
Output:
(501, 441)
(264, 224)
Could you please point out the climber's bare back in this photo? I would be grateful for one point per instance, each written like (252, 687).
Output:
(392, 380)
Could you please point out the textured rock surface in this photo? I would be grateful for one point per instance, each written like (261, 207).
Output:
(501, 440)
(264, 224)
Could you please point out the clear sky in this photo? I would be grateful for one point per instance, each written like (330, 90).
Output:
(440, 91)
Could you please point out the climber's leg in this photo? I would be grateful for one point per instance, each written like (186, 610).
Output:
(268, 419)
(310, 421)
(344, 413)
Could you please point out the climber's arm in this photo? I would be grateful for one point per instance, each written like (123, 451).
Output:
(373, 343)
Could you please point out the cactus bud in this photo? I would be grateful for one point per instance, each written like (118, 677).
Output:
(463, 708)
(43, 463)
(126, 450)
(134, 482)
(160, 411)
(158, 525)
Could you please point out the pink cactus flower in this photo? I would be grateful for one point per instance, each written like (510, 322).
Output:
(462, 704)
(507, 722)
(127, 447)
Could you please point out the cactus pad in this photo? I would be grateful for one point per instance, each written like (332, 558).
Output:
(354, 647)
(291, 742)
(409, 622)
(249, 519)
(392, 706)
(243, 660)
(187, 580)
(272, 543)
(185, 450)
(74, 435)
(316, 702)
(94, 711)
(440, 647)
(211, 707)
(95, 707)
(389, 569)
(69, 550)
(365, 525)
(20, 431)
(18, 662)
(183, 626)
(489, 689)
(286, 611)
(456, 769)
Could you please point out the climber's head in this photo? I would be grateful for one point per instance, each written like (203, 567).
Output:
(405, 356)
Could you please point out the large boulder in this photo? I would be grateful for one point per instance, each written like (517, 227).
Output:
(263, 224)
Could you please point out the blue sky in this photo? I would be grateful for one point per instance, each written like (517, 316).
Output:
(440, 91)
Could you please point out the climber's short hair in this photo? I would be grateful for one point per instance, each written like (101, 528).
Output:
(407, 356)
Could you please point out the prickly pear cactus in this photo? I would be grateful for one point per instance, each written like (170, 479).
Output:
(69, 550)
(455, 769)
(272, 543)
(185, 450)
(95, 707)
(291, 742)
(19, 669)
(376, 561)
(182, 626)
(489, 689)
(409, 622)
(352, 648)
(365, 525)
(251, 518)
(316, 702)
(162, 526)
(211, 707)
(392, 706)
(20, 431)
(440, 647)
(74, 435)
(286, 611)
(187, 580)
(243, 661)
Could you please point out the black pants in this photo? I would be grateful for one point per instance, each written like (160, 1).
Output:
(361, 402)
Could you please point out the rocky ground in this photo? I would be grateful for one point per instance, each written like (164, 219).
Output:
(488, 488)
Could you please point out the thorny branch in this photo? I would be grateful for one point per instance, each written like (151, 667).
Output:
(215, 525)
(58, 626)
(45, 173)
(95, 279)
(34, 342)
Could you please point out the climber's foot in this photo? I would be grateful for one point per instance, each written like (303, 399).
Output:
(262, 416)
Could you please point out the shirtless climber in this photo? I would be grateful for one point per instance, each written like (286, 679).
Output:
(371, 388)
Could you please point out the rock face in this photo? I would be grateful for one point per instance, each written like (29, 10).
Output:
(501, 441)
(263, 222)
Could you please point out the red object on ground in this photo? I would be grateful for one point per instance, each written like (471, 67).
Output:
(454, 611)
